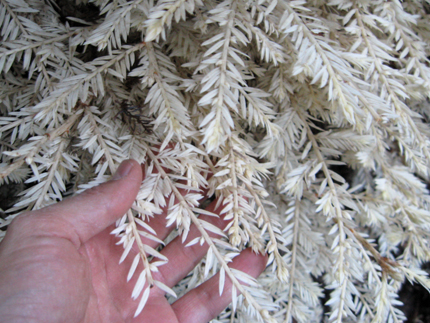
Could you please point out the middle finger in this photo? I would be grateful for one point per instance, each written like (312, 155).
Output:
(183, 259)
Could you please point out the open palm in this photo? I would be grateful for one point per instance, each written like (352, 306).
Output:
(60, 263)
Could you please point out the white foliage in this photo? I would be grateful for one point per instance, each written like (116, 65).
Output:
(310, 115)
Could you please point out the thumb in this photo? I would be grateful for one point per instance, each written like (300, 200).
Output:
(81, 217)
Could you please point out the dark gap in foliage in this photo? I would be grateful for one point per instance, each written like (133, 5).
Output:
(89, 53)
(343, 170)
(416, 300)
(135, 37)
(9, 196)
(88, 12)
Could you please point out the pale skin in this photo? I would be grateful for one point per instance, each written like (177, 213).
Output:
(60, 263)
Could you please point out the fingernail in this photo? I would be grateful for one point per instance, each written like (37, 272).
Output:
(123, 170)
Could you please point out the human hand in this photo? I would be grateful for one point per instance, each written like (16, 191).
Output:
(60, 263)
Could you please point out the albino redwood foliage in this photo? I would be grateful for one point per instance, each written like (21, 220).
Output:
(312, 117)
